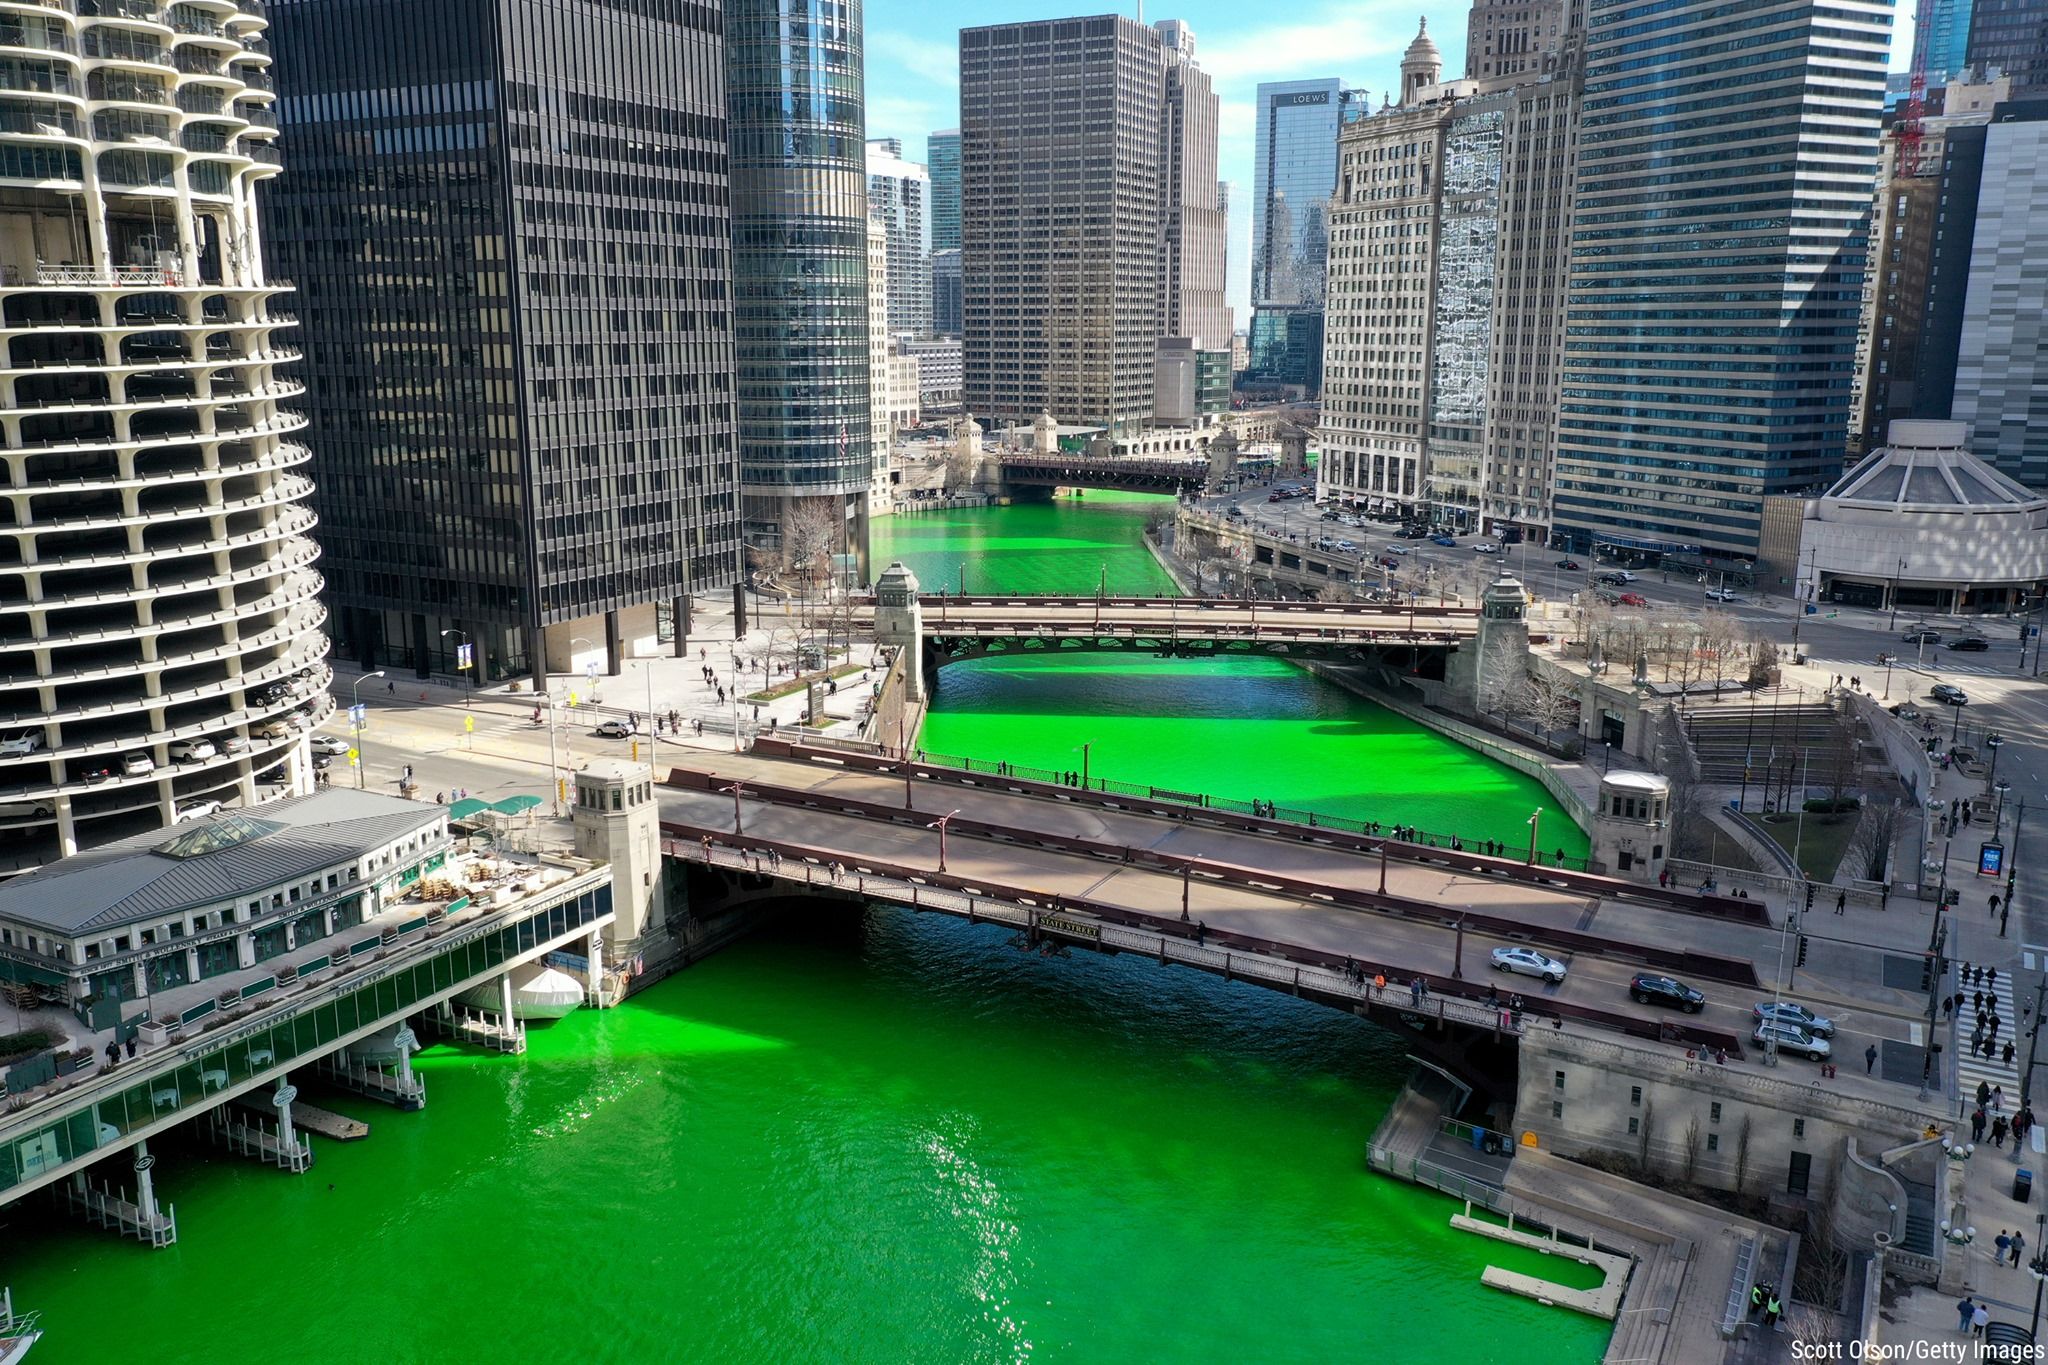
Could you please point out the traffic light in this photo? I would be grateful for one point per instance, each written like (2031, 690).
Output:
(1927, 973)
(1809, 897)
(1802, 951)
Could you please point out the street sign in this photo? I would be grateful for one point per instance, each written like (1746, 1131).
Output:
(469, 724)
(358, 713)
(1991, 860)
(351, 755)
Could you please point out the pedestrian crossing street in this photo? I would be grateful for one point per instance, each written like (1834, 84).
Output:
(1996, 664)
(1992, 1070)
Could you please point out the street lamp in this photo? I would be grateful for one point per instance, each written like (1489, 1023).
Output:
(355, 715)
(2038, 1268)
(1085, 746)
(1535, 824)
(1895, 595)
(940, 825)
(1994, 742)
(736, 788)
(465, 659)
(1998, 791)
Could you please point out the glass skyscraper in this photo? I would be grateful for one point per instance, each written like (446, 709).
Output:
(508, 221)
(1945, 44)
(1726, 159)
(942, 160)
(1293, 175)
(800, 261)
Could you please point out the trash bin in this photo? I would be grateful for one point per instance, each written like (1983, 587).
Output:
(2022, 1185)
(1478, 1139)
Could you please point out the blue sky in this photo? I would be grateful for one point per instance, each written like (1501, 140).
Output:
(913, 83)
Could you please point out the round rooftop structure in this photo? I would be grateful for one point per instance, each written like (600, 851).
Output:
(1924, 525)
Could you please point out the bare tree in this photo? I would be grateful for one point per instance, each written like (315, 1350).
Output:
(1875, 839)
(1500, 682)
(811, 535)
(1742, 1156)
(1692, 1148)
(959, 469)
(1643, 1133)
(1763, 661)
(1719, 643)
(1842, 768)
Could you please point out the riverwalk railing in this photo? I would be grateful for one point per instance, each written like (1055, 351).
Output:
(1299, 815)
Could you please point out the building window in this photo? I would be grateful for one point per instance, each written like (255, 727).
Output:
(1799, 1128)
(1713, 1142)
(1633, 1124)
(1557, 1109)
(1635, 1099)
(1558, 1083)
(1714, 1112)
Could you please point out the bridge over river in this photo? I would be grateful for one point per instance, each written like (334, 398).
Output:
(1292, 907)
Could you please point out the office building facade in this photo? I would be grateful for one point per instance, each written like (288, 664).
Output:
(797, 130)
(519, 343)
(2001, 365)
(2011, 36)
(946, 293)
(899, 193)
(1943, 48)
(160, 626)
(1512, 37)
(1073, 173)
(942, 163)
(1294, 171)
(1718, 248)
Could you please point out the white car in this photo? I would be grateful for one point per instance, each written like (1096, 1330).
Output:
(197, 810)
(1528, 962)
(271, 729)
(1485, 547)
(1347, 547)
(614, 729)
(137, 764)
(1723, 595)
(1791, 1038)
(329, 745)
(190, 750)
(1399, 550)
(233, 744)
(21, 745)
(36, 805)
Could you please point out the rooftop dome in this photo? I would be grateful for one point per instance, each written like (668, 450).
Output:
(1424, 48)
(1925, 465)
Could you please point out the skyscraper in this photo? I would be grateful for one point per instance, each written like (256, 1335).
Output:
(942, 160)
(1511, 37)
(1084, 223)
(1944, 47)
(1718, 249)
(1294, 171)
(899, 193)
(159, 613)
(946, 292)
(1988, 293)
(519, 350)
(800, 242)
(2011, 36)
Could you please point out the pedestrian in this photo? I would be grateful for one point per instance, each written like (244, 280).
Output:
(1966, 1308)
(1983, 1092)
(1664, 877)
(1756, 1299)
(1980, 1318)
(1977, 999)
(1201, 933)
(1948, 1002)
(1773, 1309)
(1995, 1022)
(1415, 992)
(1998, 1099)
(391, 687)
(1841, 901)
(131, 1045)
(113, 1053)
(1991, 977)
(1870, 1059)
(2004, 1245)
(1977, 1125)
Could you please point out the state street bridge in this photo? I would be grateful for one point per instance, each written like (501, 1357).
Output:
(1125, 474)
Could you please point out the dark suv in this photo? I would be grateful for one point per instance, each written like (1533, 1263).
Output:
(1646, 989)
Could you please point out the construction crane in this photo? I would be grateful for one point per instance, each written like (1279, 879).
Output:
(1909, 131)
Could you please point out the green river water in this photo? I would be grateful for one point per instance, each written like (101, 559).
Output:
(881, 1138)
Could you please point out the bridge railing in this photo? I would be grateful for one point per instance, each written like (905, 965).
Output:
(1411, 995)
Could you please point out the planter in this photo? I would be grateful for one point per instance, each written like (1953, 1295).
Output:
(154, 1034)
(69, 1063)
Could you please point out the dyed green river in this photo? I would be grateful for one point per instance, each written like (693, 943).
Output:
(890, 1138)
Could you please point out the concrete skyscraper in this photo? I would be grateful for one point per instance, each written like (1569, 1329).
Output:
(1511, 37)
(797, 126)
(1718, 249)
(942, 162)
(1088, 218)
(1294, 172)
(899, 193)
(160, 628)
(519, 355)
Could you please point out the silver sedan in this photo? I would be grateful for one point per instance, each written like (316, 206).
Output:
(1528, 962)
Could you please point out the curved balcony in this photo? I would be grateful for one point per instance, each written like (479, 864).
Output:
(292, 553)
(283, 669)
(292, 521)
(299, 586)
(286, 488)
(299, 620)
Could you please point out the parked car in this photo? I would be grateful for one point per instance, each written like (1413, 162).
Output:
(1970, 644)
(1791, 1038)
(1614, 580)
(1723, 595)
(1399, 550)
(322, 762)
(96, 772)
(614, 729)
(21, 745)
(1793, 1013)
(1348, 547)
(1632, 599)
(1949, 694)
(271, 730)
(197, 810)
(1446, 541)
(190, 750)
(1621, 576)
(1388, 562)
(1528, 962)
(1569, 564)
(329, 745)
(35, 805)
(1646, 988)
(1485, 547)
(1923, 637)
(136, 763)
(232, 744)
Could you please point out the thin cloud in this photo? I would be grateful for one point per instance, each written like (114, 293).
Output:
(930, 58)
